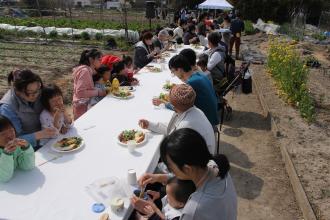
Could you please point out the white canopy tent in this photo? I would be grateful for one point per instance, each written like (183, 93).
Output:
(215, 4)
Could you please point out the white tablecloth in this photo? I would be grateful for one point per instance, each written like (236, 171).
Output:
(56, 190)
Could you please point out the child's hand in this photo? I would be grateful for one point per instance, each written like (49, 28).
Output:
(155, 195)
(48, 133)
(149, 211)
(21, 143)
(144, 123)
(10, 146)
(140, 204)
(64, 130)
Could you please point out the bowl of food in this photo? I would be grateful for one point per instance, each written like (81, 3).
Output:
(154, 69)
(196, 46)
(68, 144)
(122, 94)
(132, 135)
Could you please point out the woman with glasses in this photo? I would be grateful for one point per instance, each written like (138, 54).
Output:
(22, 106)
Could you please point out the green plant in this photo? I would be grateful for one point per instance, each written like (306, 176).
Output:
(85, 35)
(249, 29)
(291, 75)
(76, 36)
(122, 44)
(319, 37)
(292, 32)
(53, 34)
(99, 36)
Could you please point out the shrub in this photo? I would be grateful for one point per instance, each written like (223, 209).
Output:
(249, 29)
(291, 75)
(319, 37)
(53, 34)
(98, 36)
(85, 36)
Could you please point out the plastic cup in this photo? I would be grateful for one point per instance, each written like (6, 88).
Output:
(131, 145)
(131, 177)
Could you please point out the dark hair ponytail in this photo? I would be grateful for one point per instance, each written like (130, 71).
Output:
(187, 147)
(20, 79)
(223, 164)
(86, 54)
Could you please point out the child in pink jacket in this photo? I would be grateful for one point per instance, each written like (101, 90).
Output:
(83, 85)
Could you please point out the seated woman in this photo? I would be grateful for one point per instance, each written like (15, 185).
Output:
(206, 99)
(185, 153)
(186, 115)
(119, 71)
(14, 152)
(143, 53)
(190, 37)
(216, 62)
(22, 106)
(54, 114)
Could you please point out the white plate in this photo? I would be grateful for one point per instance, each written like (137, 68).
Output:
(57, 149)
(138, 144)
(128, 97)
(128, 88)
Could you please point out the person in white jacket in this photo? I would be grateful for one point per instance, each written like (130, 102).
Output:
(186, 115)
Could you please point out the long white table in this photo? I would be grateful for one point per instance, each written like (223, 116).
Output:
(56, 189)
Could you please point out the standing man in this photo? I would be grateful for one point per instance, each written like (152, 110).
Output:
(237, 27)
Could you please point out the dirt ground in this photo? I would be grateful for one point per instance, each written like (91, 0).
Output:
(53, 63)
(307, 144)
(261, 182)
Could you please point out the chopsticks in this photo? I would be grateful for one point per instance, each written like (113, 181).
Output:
(54, 158)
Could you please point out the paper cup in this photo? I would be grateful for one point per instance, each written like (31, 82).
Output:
(131, 177)
(131, 145)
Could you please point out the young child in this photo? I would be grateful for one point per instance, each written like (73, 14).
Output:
(177, 194)
(102, 82)
(128, 61)
(202, 64)
(14, 152)
(119, 72)
(54, 114)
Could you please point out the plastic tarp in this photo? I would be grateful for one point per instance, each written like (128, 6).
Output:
(267, 28)
(132, 35)
(215, 4)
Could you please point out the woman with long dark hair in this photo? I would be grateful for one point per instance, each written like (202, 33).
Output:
(186, 155)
